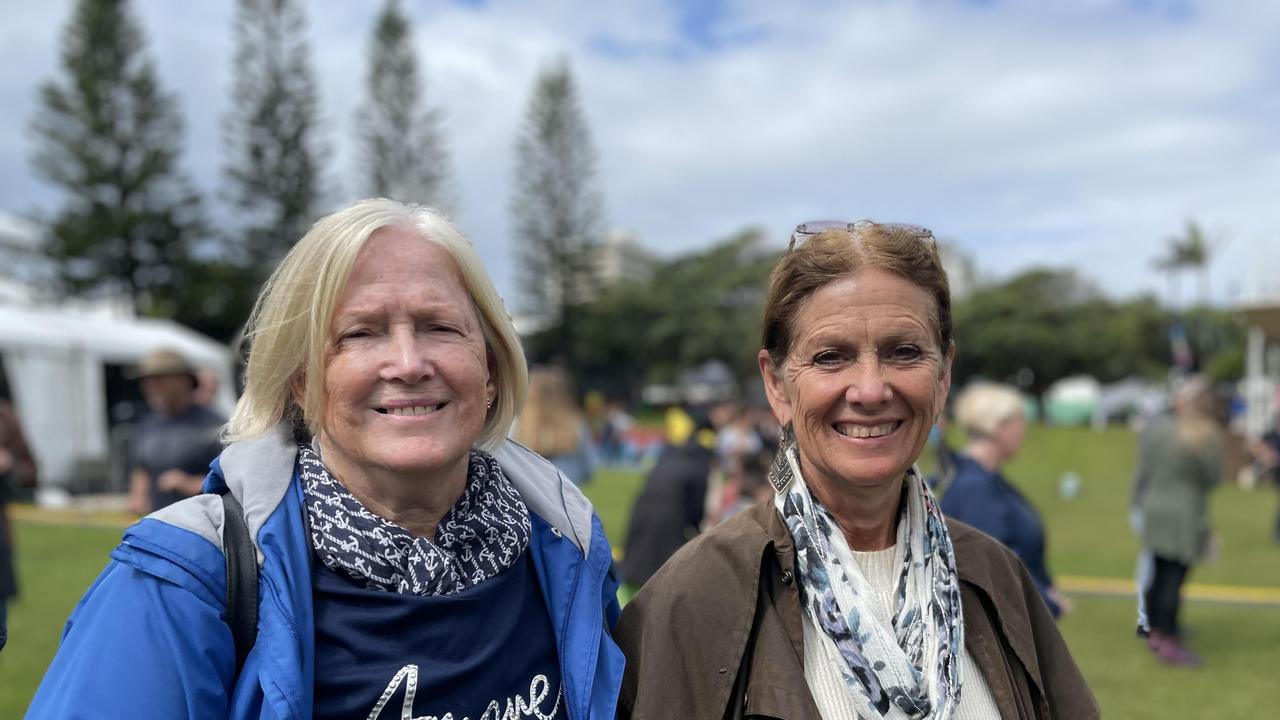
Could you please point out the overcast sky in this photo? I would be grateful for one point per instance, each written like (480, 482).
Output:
(1079, 136)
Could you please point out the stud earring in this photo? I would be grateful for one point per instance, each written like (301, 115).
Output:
(488, 403)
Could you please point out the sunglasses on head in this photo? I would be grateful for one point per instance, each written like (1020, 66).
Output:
(805, 231)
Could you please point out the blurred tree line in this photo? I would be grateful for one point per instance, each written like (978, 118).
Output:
(1032, 329)
(1046, 324)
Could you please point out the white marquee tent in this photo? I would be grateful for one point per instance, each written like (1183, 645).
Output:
(54, 359)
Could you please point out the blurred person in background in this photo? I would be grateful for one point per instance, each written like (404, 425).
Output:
(616, 426)
(175, 442)
(552, 425)
(847, 594)
(944, 456)
(993, 418)
(17, 469)
(1180, 461)
(752, 482)
(671, 505)
(1266, 467)
(409, 555)
(736, 437)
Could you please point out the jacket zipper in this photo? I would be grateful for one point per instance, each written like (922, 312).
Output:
(564, 634)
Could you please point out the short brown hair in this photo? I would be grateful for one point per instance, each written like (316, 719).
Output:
(833, 254)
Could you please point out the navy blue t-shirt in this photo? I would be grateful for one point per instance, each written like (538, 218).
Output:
(474, 654)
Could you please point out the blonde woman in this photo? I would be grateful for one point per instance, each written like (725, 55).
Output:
(1180, 462)
(993, 418)
(552, 425)
(411, 561)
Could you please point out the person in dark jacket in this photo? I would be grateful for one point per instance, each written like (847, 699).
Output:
(847, 594)
(993, 417)
(668, 513)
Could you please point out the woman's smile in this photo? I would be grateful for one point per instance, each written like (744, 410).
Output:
(864, 379)
(863, 431)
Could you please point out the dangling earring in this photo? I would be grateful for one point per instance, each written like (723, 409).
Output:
(488, 403)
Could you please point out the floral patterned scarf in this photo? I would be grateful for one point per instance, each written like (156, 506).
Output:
(483, 534)
(913, 671)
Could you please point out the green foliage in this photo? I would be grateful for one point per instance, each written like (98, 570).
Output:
(556, 208)
(109, 137)
(1218, 339)
(403, 152)
(1226, 365)
(1051, 323)
(706, 305)
(217, 298)
(273, 162)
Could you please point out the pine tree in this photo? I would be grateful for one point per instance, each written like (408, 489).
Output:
(402, 146)
(273, 165)
(556, 207)
(110, 138)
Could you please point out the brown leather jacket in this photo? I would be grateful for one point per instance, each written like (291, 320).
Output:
(685, 633)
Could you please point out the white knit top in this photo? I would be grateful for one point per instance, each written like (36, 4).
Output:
(821, 670)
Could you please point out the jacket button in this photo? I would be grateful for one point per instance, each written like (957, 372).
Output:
(723, 670)
(787, 577)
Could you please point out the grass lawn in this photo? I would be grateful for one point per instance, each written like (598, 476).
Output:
(56, 564)
(1089, 536)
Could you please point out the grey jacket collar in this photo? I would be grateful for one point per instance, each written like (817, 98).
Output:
(258, 472)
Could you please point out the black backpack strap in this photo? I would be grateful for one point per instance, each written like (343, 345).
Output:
(242, 578)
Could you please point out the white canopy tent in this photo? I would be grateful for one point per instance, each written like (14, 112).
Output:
(54, 360)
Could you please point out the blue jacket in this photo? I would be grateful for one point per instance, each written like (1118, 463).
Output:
(148, 640)
(987, 501)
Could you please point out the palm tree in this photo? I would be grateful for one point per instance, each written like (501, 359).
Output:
(1190, 250)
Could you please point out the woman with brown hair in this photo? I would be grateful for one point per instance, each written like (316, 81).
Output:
(847, 594)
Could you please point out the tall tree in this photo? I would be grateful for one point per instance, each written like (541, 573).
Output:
(110, 138)
(273, 155)
(1189, 251)
(556, 206)
(402, 146)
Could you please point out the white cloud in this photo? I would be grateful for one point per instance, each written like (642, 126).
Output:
(1081, 135)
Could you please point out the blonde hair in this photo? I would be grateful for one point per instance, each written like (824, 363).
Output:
(982, 407)
(289, 328)
(550, 423)
(1196, 408)
(834, 254)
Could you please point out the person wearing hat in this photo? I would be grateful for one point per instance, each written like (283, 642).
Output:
(175, 442)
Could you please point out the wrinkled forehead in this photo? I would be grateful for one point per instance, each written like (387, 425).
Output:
(869, 293)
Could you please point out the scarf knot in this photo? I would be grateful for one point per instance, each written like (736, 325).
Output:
(483, 534)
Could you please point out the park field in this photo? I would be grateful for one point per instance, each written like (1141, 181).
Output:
(1091, 551)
